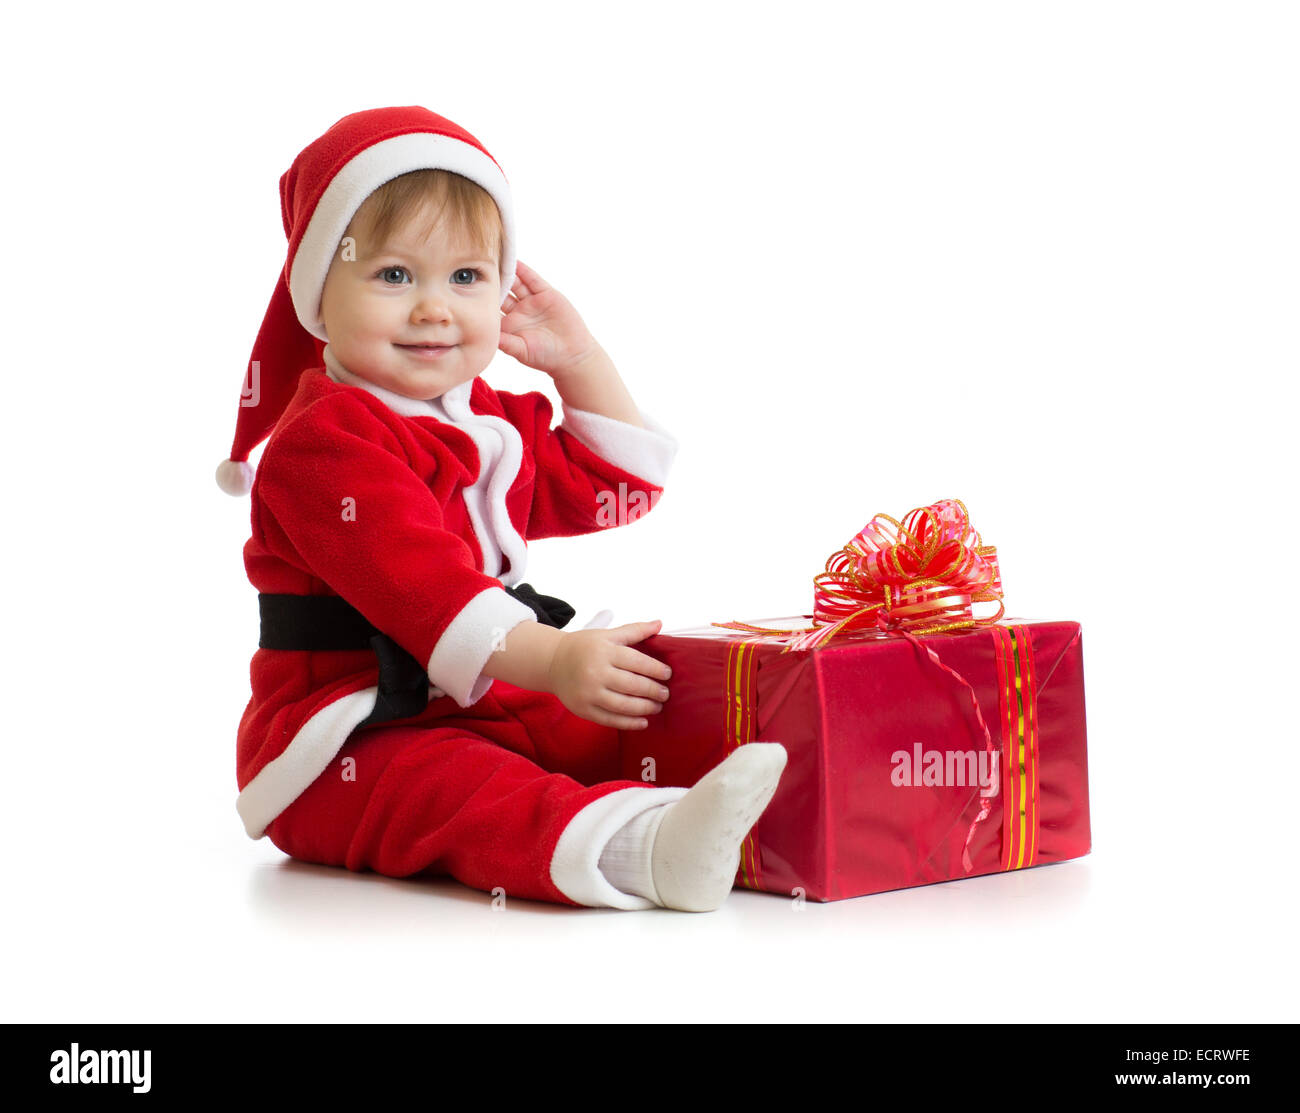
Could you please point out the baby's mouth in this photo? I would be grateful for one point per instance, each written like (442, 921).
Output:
(426, 352)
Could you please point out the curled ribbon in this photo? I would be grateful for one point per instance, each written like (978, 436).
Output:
(919, 576)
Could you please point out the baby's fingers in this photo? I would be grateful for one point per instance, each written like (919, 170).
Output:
(634, 684)
(629, 706)
(618, 722)
(634, 661)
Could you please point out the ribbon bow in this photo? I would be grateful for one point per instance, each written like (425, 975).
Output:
(921, 575)
(918, 576)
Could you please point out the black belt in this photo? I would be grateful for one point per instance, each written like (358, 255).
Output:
(324, 623)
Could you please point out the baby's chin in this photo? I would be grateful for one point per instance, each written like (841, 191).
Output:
(427, 389)
(418, 383)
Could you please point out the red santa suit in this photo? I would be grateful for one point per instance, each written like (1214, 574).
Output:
(417, 514)
(409, 520)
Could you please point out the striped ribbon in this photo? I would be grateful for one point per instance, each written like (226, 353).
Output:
(741, 726)
(1018, 704)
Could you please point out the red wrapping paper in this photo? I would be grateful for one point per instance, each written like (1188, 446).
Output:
(852, 816)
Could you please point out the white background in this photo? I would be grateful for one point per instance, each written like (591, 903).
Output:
(1041, 257)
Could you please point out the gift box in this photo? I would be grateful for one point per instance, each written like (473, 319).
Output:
(913, 757)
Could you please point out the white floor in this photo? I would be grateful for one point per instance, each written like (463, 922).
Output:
(132, 893)
(112, 924)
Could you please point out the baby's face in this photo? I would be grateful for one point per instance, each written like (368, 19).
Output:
(381, 307)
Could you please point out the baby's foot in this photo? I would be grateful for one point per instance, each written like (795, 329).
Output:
(697, 845)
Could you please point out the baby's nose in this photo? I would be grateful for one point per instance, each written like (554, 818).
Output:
(432, 307)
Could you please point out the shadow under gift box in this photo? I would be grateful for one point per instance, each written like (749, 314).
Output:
(858, 809)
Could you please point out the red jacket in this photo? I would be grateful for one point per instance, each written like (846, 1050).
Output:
(380, 499)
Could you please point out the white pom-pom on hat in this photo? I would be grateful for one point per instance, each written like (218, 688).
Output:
(235, 477)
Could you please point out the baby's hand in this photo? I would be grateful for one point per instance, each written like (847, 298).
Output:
(598, 675)
(540, 328)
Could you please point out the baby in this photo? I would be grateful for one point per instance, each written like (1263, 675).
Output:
(416, 708)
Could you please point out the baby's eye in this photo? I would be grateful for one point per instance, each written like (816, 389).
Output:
(474, 272)
(387, 272)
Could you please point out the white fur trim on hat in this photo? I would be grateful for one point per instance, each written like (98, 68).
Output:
(364, 174)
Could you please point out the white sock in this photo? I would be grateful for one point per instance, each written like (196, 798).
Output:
(625, 861)
(685, 855)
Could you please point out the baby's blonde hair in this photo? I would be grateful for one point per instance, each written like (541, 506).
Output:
(467, 206)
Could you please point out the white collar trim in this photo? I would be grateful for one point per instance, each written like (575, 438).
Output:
(458, 396)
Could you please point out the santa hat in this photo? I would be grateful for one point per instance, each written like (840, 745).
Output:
(319, 195)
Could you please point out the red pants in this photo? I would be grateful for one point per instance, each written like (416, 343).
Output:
(482, 793)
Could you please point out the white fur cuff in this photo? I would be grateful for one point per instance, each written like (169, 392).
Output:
(575, 865)
(456, 665)
(647, 453)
